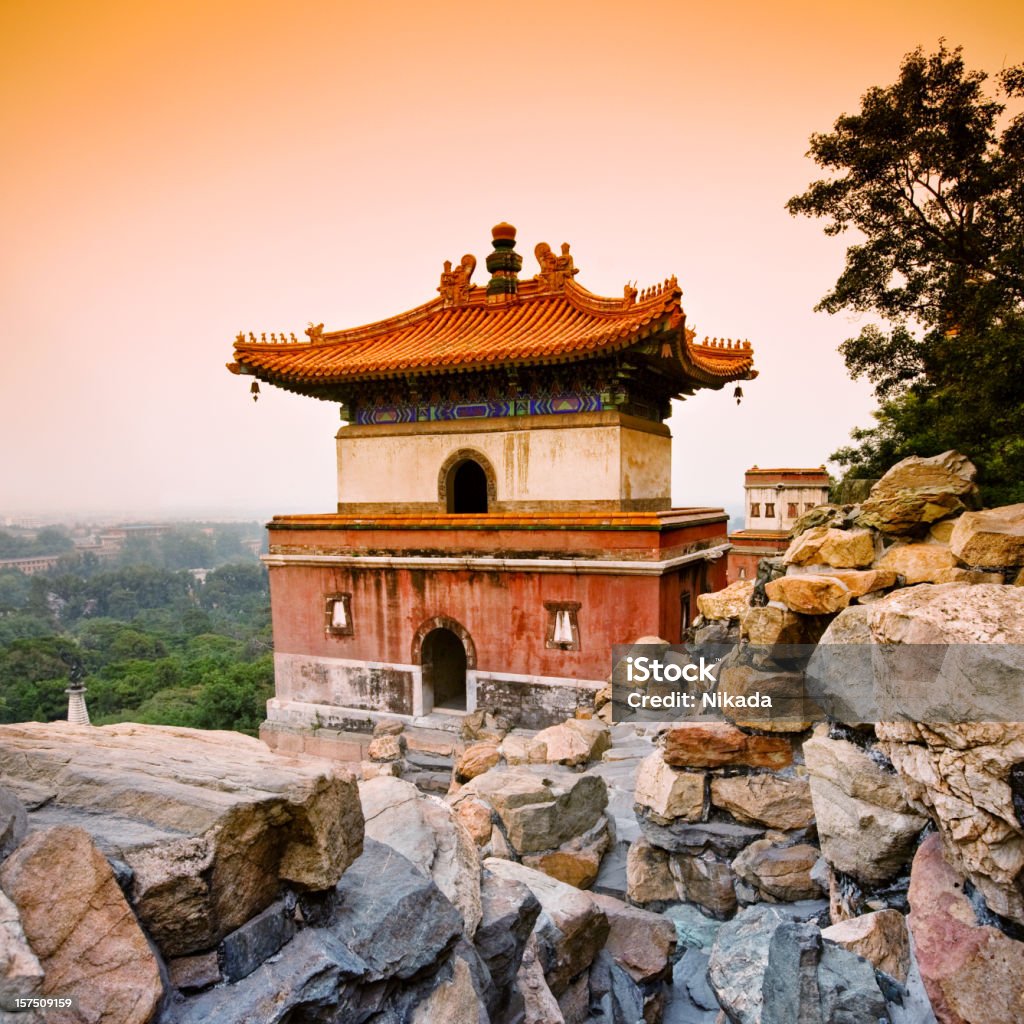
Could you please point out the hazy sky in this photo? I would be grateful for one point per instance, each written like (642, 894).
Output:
(176, 172)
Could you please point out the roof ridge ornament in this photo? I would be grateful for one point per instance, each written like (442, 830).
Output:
(504, 263)
(555, 271)
(454, 286)
(315, 332)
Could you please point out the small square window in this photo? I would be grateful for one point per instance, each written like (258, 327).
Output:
(338, 615)
(563, 629)
(755, 510)
(792, 509)
(769, 510)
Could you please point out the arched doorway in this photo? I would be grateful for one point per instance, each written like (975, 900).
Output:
(467, 488)
(444, 670)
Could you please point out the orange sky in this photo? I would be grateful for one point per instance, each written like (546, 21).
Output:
(176, 172)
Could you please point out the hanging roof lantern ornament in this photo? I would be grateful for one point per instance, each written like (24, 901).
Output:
(254, 390)
(738, 394)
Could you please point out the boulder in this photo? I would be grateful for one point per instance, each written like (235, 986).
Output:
(79, 925)
(194, 973)
(824, 545)
(13, 822)
(880, 937)
(764, 798)
(667, 793)
(539, 811)
(539, 1004)
(779, 872)
(577, 861)
(718, 744)
(705, 880)
(520, 749)
(640, 942)
(476, 760)
(648, 877)
(21, 974)
(575, 741)
(723, 838)
(571, 929)
(810, 594)
(865, 825)
(475, 817)
(917, 492)
(728, 603)
(917, 563)
(210, 823)
(426, 831)
(510, 911)
(972, 972)
(765, 698)
(244, 949)
(454, 1001)
(958, 575)
(994, 537)
(771, 625)
(387, 747)
(613, 996)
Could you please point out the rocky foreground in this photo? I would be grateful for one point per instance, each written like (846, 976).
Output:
(752, 871)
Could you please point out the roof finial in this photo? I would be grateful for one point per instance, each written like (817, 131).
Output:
(504, 263)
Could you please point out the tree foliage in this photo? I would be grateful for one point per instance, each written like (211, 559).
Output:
(929, 175)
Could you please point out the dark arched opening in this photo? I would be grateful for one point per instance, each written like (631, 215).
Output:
(467, 488)
(444, 669)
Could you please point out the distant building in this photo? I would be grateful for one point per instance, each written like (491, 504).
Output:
(774, 499)
(504, 512)
(30, 566)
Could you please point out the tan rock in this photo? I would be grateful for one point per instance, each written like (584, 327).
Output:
(388, 747)
(917, 563)
(576, 741)
(210, 822)
(866, 827)
(771, 625)
(972, 973)
(810, 594)
(426, 831)
(475, 816)
(388, 727)
(667, 793)
(81, 928)
(519, 749)
(375, 769)
(777, 801)
(994, 537)
(716, 744)
(641, 942)
(823, 545)
(958, 575)
(648, 878)
(575, 867)
(941, 531)
(20, 971)
(865, 581)
(706, 881)
(476, 760)
(779, 872)
(790, 709)
(729, 603)
(540, 1006)
(880, 937)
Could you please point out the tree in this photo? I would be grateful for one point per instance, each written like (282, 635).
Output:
(930, 175)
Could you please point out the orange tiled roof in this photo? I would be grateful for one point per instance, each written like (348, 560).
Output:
(551, 319)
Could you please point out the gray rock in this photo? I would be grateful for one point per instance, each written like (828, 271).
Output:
(244, 949)
(13, 822)
(391, 916)
(789, 990)
(615, 998)
(720, 837)
(848, 989)
(510, 911)
(694, 929)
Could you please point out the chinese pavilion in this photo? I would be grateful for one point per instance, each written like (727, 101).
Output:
(503, 500)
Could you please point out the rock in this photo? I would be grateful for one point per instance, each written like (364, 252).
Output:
(917, 563)
(388, 727)
(211, 823)
(718, 744)
(880, 937)
(639, 941)
(87, 939)
(391, 915)
(510, 911)
(746, 686)
(576, 741)
(917, 492)
(772, 625)
(778, 801)
(21, 974)
(576, 862)
(518, 749)
(428, 833)
(667, 793)
(194, 973)
(691, 998)
(865, 582)
(454, 1001)
(614, 996)
(475, 817)
(648, 878)
(540, 1006)
(994, 537)
(841, 549)
(389, 747)
(539, 812)
(694, 928)
(13, 822)
(866, 827)
(379, 769)
(476, 760)
(810, 594)
(779, 872)
(729, 603)
(706, 881)
(958, 575)
(972, 972)
(244, 949)
(724, 838)
(571, 929)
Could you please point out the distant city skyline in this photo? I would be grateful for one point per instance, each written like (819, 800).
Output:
(176, 174)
